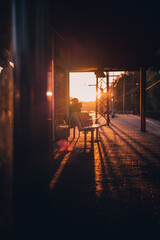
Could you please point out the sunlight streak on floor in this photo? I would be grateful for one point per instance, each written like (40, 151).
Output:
(98, 171)
(61, 166)
(106, 171)
(59, 171)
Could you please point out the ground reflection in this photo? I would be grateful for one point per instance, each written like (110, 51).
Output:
(66, 147)
(98, 171)
(111, 186)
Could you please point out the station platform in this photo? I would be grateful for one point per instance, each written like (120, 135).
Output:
(111, 190)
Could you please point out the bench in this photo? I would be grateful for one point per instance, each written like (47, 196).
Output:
(84, 123)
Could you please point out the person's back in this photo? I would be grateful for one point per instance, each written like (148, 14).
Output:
(75, 106)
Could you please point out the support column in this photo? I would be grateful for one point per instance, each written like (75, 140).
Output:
(92, 138)
(85, 140)
(143, 98)
(113, 98)
(107, 77)
(96, 105)
(53, 88)
(96, 98)
(32, 133)
(124, 92)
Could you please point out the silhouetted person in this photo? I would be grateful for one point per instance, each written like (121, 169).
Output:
(75, 106)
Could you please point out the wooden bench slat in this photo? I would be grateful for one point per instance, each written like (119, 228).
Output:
(83, 122)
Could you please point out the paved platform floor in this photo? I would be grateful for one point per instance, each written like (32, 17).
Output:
(113, 190)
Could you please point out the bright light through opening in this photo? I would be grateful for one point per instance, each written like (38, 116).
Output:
(49, 93)
(83, 84)
(79, 86)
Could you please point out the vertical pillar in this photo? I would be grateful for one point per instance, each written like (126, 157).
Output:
(96, 105)
(143, 98)
(32, 138)
(53, 87)
(68, 83)
(124, 92)
(107, 77)
(96, 98)
(85, 140)
(113, 98)
(92, 138)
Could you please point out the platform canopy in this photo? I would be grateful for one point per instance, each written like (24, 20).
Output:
(113, 35)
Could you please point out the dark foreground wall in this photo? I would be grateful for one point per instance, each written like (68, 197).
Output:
(6, 147)
(32, 134)
(6, 120)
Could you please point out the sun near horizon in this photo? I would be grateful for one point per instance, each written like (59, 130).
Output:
(83, 84)
(79, 86)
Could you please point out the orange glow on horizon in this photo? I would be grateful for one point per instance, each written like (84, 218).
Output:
(79, 86)
(83, 85)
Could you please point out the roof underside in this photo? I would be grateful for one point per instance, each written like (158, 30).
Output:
(116, 37)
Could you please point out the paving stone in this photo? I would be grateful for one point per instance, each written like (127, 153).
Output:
(113, 187)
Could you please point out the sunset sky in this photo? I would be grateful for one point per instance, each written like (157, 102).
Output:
(79, 82)
(79, 86)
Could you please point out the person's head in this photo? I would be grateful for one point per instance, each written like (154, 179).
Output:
(75, 100)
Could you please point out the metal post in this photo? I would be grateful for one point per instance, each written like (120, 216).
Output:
(85, 140)
(96, 98)
(96, 105)
(143, 98)
(124, 92)
(107, 77)
(92, 139)
(113, 99)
